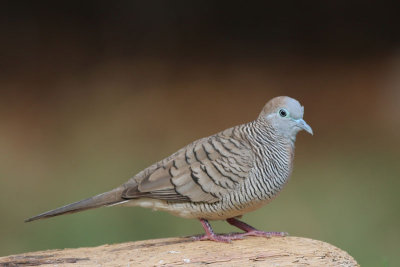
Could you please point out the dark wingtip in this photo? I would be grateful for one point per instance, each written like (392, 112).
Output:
(34, 218)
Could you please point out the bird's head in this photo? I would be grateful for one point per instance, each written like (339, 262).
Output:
(285, 115)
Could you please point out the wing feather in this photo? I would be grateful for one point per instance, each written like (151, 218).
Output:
(201, 172)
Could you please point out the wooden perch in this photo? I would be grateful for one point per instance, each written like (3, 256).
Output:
(251, 251)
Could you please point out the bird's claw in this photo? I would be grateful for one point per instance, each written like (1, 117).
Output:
(265, 234)
(226, 238)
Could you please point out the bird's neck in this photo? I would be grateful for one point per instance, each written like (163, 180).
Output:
(274, 153)
(265, 137)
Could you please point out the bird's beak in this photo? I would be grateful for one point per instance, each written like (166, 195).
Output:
(303, 125)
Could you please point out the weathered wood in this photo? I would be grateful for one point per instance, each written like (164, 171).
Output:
(252, 251)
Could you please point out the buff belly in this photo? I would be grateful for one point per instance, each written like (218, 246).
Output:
(193, 210)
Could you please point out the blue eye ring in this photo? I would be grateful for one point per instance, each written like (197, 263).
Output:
(283, 113)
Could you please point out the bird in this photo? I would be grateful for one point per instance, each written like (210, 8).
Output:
(220, 177)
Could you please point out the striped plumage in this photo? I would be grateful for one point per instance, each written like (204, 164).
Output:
(218, 177)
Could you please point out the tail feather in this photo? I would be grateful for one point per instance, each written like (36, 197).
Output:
(112, 197)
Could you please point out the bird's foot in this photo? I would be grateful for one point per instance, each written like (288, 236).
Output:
(248, 231)
(251, 231)
(226, 238)
(210, 235)
(264, 234)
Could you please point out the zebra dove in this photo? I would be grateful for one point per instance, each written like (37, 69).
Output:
(219, 177)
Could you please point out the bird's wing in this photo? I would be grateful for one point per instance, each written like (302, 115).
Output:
(203, 171)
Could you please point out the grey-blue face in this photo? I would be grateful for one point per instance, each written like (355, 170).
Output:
(285, 114)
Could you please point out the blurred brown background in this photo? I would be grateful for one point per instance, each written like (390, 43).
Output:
(94, 91)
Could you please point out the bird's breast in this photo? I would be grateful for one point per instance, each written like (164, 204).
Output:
(272, 170)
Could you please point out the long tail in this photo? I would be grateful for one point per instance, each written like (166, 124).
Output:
(109, 198)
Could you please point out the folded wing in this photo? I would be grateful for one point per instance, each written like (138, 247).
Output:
(201, 172)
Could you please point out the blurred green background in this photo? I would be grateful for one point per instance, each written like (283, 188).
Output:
(93, 92)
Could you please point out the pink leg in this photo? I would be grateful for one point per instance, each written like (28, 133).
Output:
(210, 235)
(250, 230)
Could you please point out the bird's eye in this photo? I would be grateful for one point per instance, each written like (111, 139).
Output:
(283, 112)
